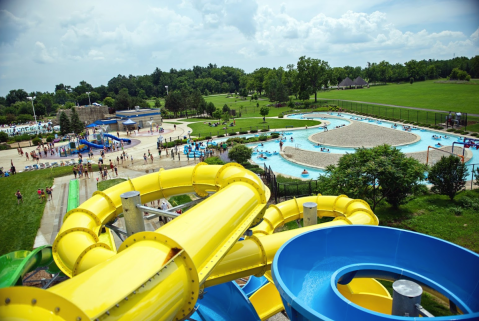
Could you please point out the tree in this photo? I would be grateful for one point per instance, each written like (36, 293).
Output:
(108, 101)
(217, 114)
(210, 108)
(76, 125)
(157, 103)
(448, 176)
(376, 174)
(226, 109)
(65, 126)
(15, 95)
(411, 80)
(240, 153)
(312, 74)
(174, 102)
(122, 101)
(264, 111)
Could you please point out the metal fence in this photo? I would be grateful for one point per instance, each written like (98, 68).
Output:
(472, 168)
(284, 191)
(403, 114)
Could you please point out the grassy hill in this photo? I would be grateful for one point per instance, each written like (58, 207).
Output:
(425, 94)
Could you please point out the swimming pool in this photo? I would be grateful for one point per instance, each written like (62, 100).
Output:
(300, 140)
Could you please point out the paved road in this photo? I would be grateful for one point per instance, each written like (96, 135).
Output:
(415, 108)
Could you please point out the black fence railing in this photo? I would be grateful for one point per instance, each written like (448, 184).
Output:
(281, 191)
(472, 169)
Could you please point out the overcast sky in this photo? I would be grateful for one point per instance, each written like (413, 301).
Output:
(43, 43)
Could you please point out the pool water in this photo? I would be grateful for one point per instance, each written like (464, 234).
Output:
(300, 140)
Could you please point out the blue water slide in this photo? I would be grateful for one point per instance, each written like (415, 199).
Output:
(307, 268)
(224, 302)
(82, 141)
(253, 285)
(126, 140)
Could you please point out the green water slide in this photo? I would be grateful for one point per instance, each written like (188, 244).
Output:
(14, 265)
(73, 194)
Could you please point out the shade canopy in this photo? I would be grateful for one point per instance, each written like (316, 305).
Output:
(346, 82)
(128, 122)
(360, 82)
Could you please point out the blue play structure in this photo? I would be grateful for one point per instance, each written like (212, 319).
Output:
(307, 269)
(126, 140)
(467, 143)
(89, 144)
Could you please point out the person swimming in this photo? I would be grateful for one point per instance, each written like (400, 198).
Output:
(304, 172)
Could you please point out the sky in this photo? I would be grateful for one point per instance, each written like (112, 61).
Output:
(44, 43)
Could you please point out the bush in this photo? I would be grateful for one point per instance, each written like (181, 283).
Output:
(253, 131)
(450, 130)
(448, 176)
(243, 132)
(232, 133)
(214, 161)
(18, 139)
(220, 135)
(262, 138)
(207, 137)
(274, 135)
(4, 147)
(265, 130)
(50, 139)
(35, 141)
(280, 115)
(3, 137)
(240, 153)
(474, 134)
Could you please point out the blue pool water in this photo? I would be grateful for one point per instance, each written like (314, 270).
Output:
(283, 166)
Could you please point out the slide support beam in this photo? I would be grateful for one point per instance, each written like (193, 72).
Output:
(133, 215)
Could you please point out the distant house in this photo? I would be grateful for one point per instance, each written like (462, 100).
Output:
(347, 82)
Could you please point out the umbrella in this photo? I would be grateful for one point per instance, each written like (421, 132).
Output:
(128, 122)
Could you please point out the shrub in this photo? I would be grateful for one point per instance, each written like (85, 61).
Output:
(457, 130)
(280, 116)
(253, 131)
(448, 176)
(450, 130)
(252, 139)
(4, 147)
(35, 141)
(262, 138)
(456, 210)
(240, 153)
(207, 137)
(265, 130)
(3, 137)
(220, 135)
(274, 135)
(214, 161)
(232, 133)
(243, 132)
(50, 139)
(474, 134)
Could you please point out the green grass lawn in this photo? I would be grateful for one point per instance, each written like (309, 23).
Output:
(20, 223)
(422, 94)
(201, 129)
(172, 122)
(103, 185)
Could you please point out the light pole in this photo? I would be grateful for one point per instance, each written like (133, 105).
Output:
(166, 90)
(89, 102)
(32, 98)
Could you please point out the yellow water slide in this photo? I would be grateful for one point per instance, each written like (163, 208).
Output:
(159, 275)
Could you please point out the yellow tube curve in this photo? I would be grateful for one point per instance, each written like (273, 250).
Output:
(159, 275)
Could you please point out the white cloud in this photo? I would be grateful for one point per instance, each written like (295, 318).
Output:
(41, 55)
(11, 26)
(475, 36)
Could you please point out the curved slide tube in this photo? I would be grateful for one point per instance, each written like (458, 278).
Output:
(89, 144)
(308, 268)
(126, 140)
(14, 265)
(167, 266)
(159, 275)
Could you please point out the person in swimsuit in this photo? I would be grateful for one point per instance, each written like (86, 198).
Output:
(49, 193)
(19, 197)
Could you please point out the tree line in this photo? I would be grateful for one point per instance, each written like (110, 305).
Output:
(300, 80)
